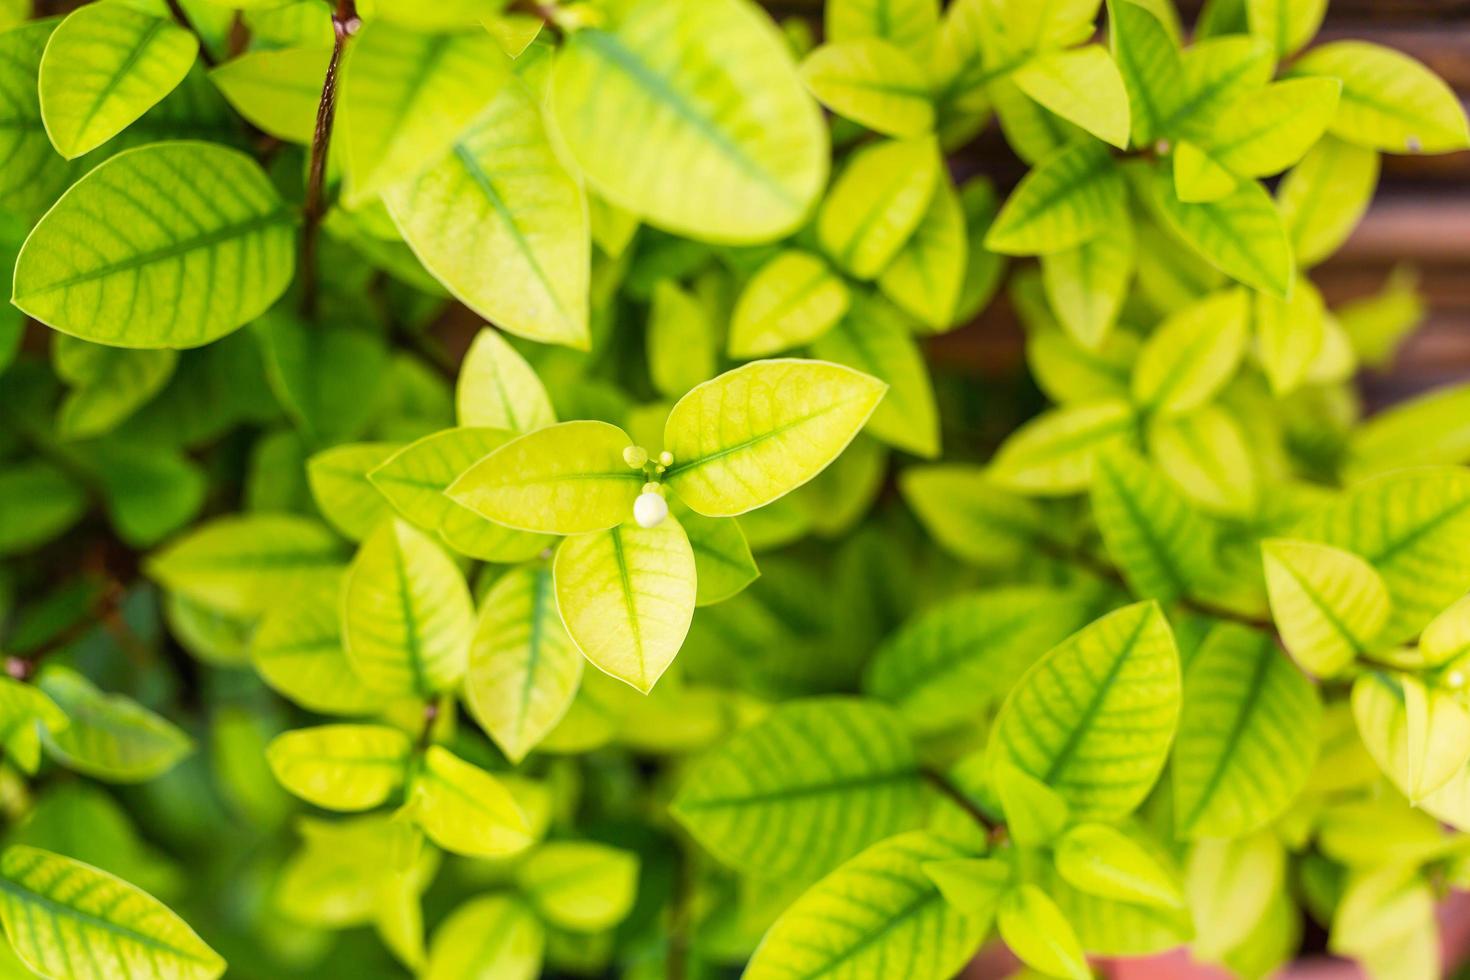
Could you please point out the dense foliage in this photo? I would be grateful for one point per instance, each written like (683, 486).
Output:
(1179, 659)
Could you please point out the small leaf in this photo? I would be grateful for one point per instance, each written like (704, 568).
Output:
(1149, 61)
(878, 912)
(199, 243)
(926, 276)
(1247, 735)
(106, 65)
(1086, 284)
(1287, 24)
(723, 563)
(804, 789)
(115, 926)
(1290, 334)
(497, 389)
(565, 479)
(490, 936)
(1272, 129)
(501, 224)
(1094, 717)
(25, 712)
(1329, 604)
(406, 613)
(1082, 86)
(908, 24)
(1429, 429)
(244, 564)
(1437, 736)
(1323, 197)
(791, 300)
(1206, 456)
(1067, 199)
(1035, 814)
(974, 886)
(1163, 546)
(297, 649)
(109, 736)
(524, 669)
(465, 809)
(760, 431)
(341, 767)
(1193, 354)
(1039, 934)
(741, 152)
(873, 83)
(1447, 637)
(108, 384)
(1101, 860)
(579, 885)
(276, 90)
(338, 478)
(1390, 101)
(681, 340)
(1199, 176)
(1055, 453)
(1240, 234)
(877, 202)
(970, 516)
(627, 597)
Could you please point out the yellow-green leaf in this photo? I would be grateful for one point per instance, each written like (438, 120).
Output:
(873, 83)
(564, 479)
(1289, 334)
(1054, 454)
(1164, 547)
(877, 202)
(110, 737)
(58, 911)
(465, 809)
(1039, 933)
(681, 340)
(407, 615)
(758, 432)
(277, 90)
(105, 65)
(1268, 131)
(1153, 71)
(341, 767)
(1085, 284)
(1287, 24)
(1206, 455)
(1192, 354)
(1240, 234)
(925, 278)
(1198, 176)
(791, 300)
(1323, 197)
(1329, 604)
(663, 123)
(497, 389)
(1101, 860)
(338, 478)
(297, 649)
(1067, 199)
(910, 24)
(1082, 86)
(627, 597)
(493, 937)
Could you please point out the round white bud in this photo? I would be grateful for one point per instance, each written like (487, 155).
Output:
(650, 509)
(666, 458)
(635, 456)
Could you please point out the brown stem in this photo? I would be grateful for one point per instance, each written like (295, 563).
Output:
(431, 715)
(957, 796)
(345, 23)
(539, 8)
(183, 21)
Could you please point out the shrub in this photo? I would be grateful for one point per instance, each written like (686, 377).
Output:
(1179, 660)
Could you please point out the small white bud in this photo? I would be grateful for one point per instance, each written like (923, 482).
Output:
(1455, 678)
(650, 509)
(635, 456)
(666, 458)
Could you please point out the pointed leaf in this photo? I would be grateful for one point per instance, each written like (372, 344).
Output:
(722, 559)
(1206, 456)
(926, 276)
(1085, 285)
(341, 767)
(1240, 234)
(1163, 546)
(1039, 934)
(1329, 604)
(198, 242)
(1153, 72)
(1193, 354)
(110, 737)
(969, 516)
(297, 650)
(974, 886)
(465, 809)
(1323, 197)
(1082, 86)
(627, 597)
(1289, 334)
(1101, 860)
(1199, 176)
(497, 389)
(1287, 24)
(877, 202)
(1035, 813)
(491, 936)
(873, 83)
(338, 478)
(1055, 453)
(276, 90)
(760, 431)
(791, 300)
(1067, 199)
(909, 24)
(1273, 128)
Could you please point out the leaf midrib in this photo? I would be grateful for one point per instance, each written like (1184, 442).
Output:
(1104, 687)
(680, 468)
(788, 793)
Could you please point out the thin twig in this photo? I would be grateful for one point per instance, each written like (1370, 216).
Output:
(345, 23)
(183, 21)
(957, 796)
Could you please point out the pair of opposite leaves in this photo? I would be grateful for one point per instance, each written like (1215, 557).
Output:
(627, 592)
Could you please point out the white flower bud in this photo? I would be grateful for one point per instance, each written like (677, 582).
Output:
(650, 509)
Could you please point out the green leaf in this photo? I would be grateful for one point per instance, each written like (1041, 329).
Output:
(1199, 176)
(664, 124)
(723, 563)
(1055, 453)
(242, 565)
(911, 25)
(493, 935)
(1270, 130)
(319, 372)
(1033, 132)
(1071, 374)
(681, 340)
(804, 789)
(1437, 729)
(465, 809)
(198, 242)
(1329, 604)
(105, 65)
(1108, 927)
(56, 909)
(1230, 884)
(297, 649)
(877, 202)
(1069, 198)
(406, 613)
(974, 886)
(1377, 324)
(1218, 73)
(970, 516)
(406, 97)
(569, 478)
(627, 597)
(1389, 102)
(760, 431)
(1163, 546)
(1287, 24)
(25, 712)
(791, 300)
(1289, 334)
(1039, 934)
(1418, 740)
(497, 389)
(1409, 526)
(524, 669)
(40, 502)
(341, 767)
(1035, 814)
(872, 83)
(109, 737)
(1247, 735)
(1149, 61)
(276, 90)
(338, 478)
(874, 339)
(1094, 717)
(1193, 354)
(1206, 456)
(927, 275)
(878, 914)
(579, 885)
(108, 384)
(979, 643)
(1082, 86)
(502, 225)
(1433, 428)
(1101, 860)
(1447, 637)
(1324, 196)
(1241, 234)
(33, 175)
(1085, 285)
